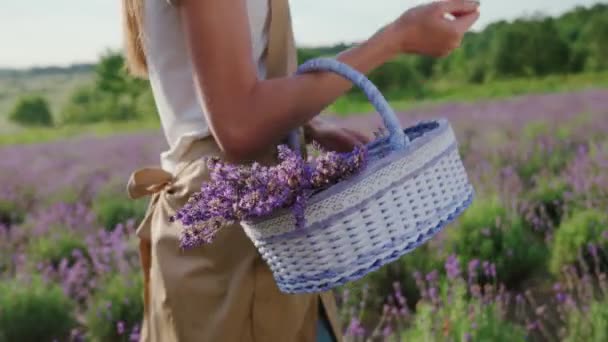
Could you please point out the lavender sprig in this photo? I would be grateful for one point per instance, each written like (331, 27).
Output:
(240, 192)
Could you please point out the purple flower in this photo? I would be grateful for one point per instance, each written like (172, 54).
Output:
(486, 269)
(592, 250)
(472, 269)
(432, 276)
(532, 326)
(120, 327)
(493, 270)
(399, 294)
(355, 328)
(452, 267)
(387, 331)
(475, 290)
(134, 336)
(386, 309)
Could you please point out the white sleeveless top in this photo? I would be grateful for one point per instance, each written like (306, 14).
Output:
(170, 72)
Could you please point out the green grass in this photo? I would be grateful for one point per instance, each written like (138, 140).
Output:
(40, 135)
(445, 91)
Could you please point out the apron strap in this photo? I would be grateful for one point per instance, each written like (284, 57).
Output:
(281, 54)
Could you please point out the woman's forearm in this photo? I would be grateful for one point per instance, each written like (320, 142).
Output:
(276, 106)
(247, 115)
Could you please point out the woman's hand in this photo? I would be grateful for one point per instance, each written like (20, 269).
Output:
(333, 137)
(427, 30)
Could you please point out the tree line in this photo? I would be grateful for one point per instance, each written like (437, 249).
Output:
(536, 46)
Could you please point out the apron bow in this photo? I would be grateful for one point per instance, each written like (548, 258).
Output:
(148, 181)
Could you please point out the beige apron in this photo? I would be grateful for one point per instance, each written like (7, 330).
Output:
(223, 291)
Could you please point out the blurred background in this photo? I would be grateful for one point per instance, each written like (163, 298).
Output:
(527, 94)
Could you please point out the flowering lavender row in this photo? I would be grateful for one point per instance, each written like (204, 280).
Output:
(544, 157)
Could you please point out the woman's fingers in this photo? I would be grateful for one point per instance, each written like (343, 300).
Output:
(465, 22)
(458, 7)
(465, 13)
(437, 29)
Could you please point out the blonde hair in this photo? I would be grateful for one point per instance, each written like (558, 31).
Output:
(132, 11)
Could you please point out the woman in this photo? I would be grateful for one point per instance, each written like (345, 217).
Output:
(221, 74)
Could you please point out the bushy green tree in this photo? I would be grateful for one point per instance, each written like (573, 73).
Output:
(552, 53)
(398, 75)
(32, 111)
(114, 95)
(528, 48)
(594, 42)
(87, 105)
(112, 78)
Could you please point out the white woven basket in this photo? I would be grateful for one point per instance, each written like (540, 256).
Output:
(414, 184)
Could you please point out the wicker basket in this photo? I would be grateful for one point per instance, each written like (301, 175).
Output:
(414, 184)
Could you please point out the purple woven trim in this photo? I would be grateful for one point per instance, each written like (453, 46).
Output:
(292, 286)
(324, 223)
(422, 231)
(415, 144)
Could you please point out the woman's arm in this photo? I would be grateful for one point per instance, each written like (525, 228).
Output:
(246, 115)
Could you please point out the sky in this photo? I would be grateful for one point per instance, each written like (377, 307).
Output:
(62, 32)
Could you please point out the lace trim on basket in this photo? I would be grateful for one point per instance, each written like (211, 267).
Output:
(357, 193)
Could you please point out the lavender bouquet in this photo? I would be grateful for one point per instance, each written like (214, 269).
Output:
(243, 192)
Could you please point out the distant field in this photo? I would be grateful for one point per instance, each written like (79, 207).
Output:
(537, 163)
(56, 88)
(41, 135)
(441, 92)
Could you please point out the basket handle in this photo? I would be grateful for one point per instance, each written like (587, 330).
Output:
(397, 138)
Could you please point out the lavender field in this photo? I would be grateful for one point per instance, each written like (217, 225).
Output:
(527, 262)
